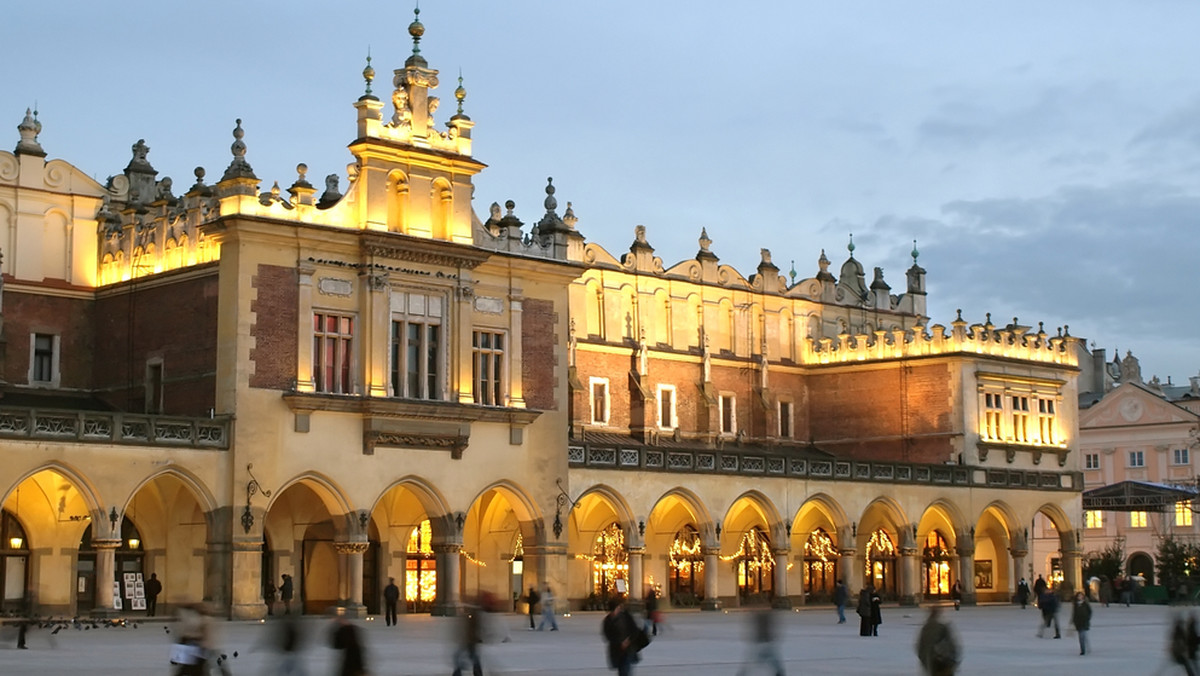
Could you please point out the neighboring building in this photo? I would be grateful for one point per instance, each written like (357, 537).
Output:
(1131, 430)
(225, 386)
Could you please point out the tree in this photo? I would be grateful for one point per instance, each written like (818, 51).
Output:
(1177, 562)
(1106, 563)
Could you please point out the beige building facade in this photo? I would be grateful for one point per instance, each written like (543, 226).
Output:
(230, 385)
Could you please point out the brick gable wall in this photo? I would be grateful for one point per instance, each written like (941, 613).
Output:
(538, 358)
(276, 327)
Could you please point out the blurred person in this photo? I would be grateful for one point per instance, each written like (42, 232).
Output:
(1039, 587)
(762, 643)
(285, 593)
(470, 635)
(652, 613)
(548, 610)
(192, 651)
(623, 636)
(840, 596)
(1023, 593)
(1193, 638)
(391, 596)
(1177, 648)
(532, 599)
(937, 647)
(288, 641)
(1081, 617)
(1048, 604)
(348, 639)
(269, 596)
(956, 593)
(152, 589)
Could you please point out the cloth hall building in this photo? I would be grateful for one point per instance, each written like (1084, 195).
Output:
(223, 384)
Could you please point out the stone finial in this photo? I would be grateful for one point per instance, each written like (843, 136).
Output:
(139, 163)
(239, 167)
(416, 29)
(550, 202)
(766, 257)
(823, 273)
(29, 129)
(877, 283)
(569, 217)
(705, 242)
(368, 75)
(915, 253)
(460, 93)
(850, 246)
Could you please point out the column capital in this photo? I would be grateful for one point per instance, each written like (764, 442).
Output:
(710, 551)
(446, 547)
(1019, 552)
(635, 551)
(847, 552)
(107, 544)
(781, 551)
(355, 547)
(908, 551)
(964, 551)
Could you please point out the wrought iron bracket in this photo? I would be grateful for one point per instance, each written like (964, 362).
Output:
(561, 500)
(252, 487)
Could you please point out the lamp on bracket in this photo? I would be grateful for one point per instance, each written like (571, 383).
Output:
(252, 487)
(718, 530)
(113, 517)
(459, 520)
(641, 527)
(561, 500)
(363, 518)
(854, 529)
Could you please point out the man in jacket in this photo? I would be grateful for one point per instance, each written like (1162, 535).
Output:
(391, 596)
(937, 648)
(1081, 617)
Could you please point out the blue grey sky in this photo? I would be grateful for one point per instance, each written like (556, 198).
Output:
(1045, 156)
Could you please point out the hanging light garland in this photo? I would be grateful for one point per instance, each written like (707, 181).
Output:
(820, 546)
(755, 549)
(880, 546)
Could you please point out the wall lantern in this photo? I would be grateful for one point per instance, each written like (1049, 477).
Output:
(641, 527)
(113, 517)
(16, 542)
(460, 519)
(363, 518)
(252, 487)
(854, 529)
(718, 529)
(134, 543)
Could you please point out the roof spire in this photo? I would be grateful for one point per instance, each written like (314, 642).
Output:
(29, 128)
(460, 93)
(850, 246)
(416, 29)
(915, 253)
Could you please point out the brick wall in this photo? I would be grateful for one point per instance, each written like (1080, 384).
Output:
(68, 318)
(538, 359)
(276, 328)
(175, 322)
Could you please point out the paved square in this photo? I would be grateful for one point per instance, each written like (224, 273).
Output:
(996, 639)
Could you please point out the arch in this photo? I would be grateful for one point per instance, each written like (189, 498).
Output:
(594, 309)
(55, 234)
(1057, 516)
(787, 335)
(766, 508)
(87, 490)
(441, 209)
(397, 201)
(330, 494)
(692, 321)
(725, 338)
(659, 318)
(1141, 563)
(613, 498)
(1004, 513)
(208, 502)
(826, 505)
(431, 499)
(946, 512)
(892, 514)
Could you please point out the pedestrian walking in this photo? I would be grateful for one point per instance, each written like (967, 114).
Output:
(763, 649)
(840, 596)
(956, 593)
(548, 610)
(191, 653)
(391, 596)
(153, 588)
(652, 613)
(288, 640)
(1039, 588)
(1023, 593)
(347, 639)
(269, 596)
(937, 647)
(1081, 618)
(285, 594)
(1105, 590)
(1178, 647)
(1048, 604)
(469, 637)
(623, 637)
(532, 599)
(1193, 639)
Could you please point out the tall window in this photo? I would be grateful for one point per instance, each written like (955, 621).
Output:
(728, 413)
(1137, 519)
(420, 575)
(1093, 518)
(1137, 459)
(487, 368)
(154, 387)
(599, 401)
(993, 412)
(820, 563)
(1091, 461)
(1020, 418)
(333, 340)
(937, 559)
(416, 360)
(666, 407)
(43, 358)
(1046, 420)
(1180, 456)
(1183, 513)
(785, 419)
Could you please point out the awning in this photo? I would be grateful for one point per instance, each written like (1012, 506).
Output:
(1136, 496)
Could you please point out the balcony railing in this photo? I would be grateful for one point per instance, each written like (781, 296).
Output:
(100, 427)
(686, 461)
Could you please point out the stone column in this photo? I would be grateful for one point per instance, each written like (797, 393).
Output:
(350, 555)
(448, 578)
(966, 569)
(781, 598)
(636, 577)
(910, 577)
(712, 600)
(246, 602)
(106, 559)
(1071, 558)
(851, 572)
(216, 574)
(1018, 565)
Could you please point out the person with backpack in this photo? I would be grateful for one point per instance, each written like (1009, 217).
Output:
(937, 647)
(1081, 617)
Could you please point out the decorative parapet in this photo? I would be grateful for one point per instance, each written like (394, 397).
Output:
(978, 339)
(99, 427)
(641, 459)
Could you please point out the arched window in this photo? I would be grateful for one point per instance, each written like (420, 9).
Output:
(127, 570)
(420, 574)
(754, 563)
(881, 563)
(820, 564)
(610, 561)
(936, 558)
(14, 563)
(687, 563)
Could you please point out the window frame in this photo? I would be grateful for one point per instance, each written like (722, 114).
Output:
(343, 378)
(674, 421)
(155, 378)
(788, 430)
(1093, 519)
(606, 406)
(1183, 514)
(1139, 519)
(1181, 456)
(727, 413)
(496, 359)
(53, 357)
(1091, 461)
(429, 315)
(1141, 459)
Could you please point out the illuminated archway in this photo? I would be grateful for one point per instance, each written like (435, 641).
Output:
(881, 563)
(936, 558)
(686, 566)
(820, 564)
(407, 520)
(753, 566)
(14, 564)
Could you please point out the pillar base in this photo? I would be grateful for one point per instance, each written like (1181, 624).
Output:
(352, 610)
(781, 603)
(445, 610)
(247, 611)
(105, 613)
(910, 600)
(710, 604)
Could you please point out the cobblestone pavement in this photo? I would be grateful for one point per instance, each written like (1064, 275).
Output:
(996, 639)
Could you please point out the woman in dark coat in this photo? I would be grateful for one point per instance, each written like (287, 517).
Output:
(621, 633)
(876, 614)
(867, 610)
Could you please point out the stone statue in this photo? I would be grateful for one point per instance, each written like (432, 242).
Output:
(432, 105)
(403, 115)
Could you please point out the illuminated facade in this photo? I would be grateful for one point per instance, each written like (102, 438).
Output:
(230, 384)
